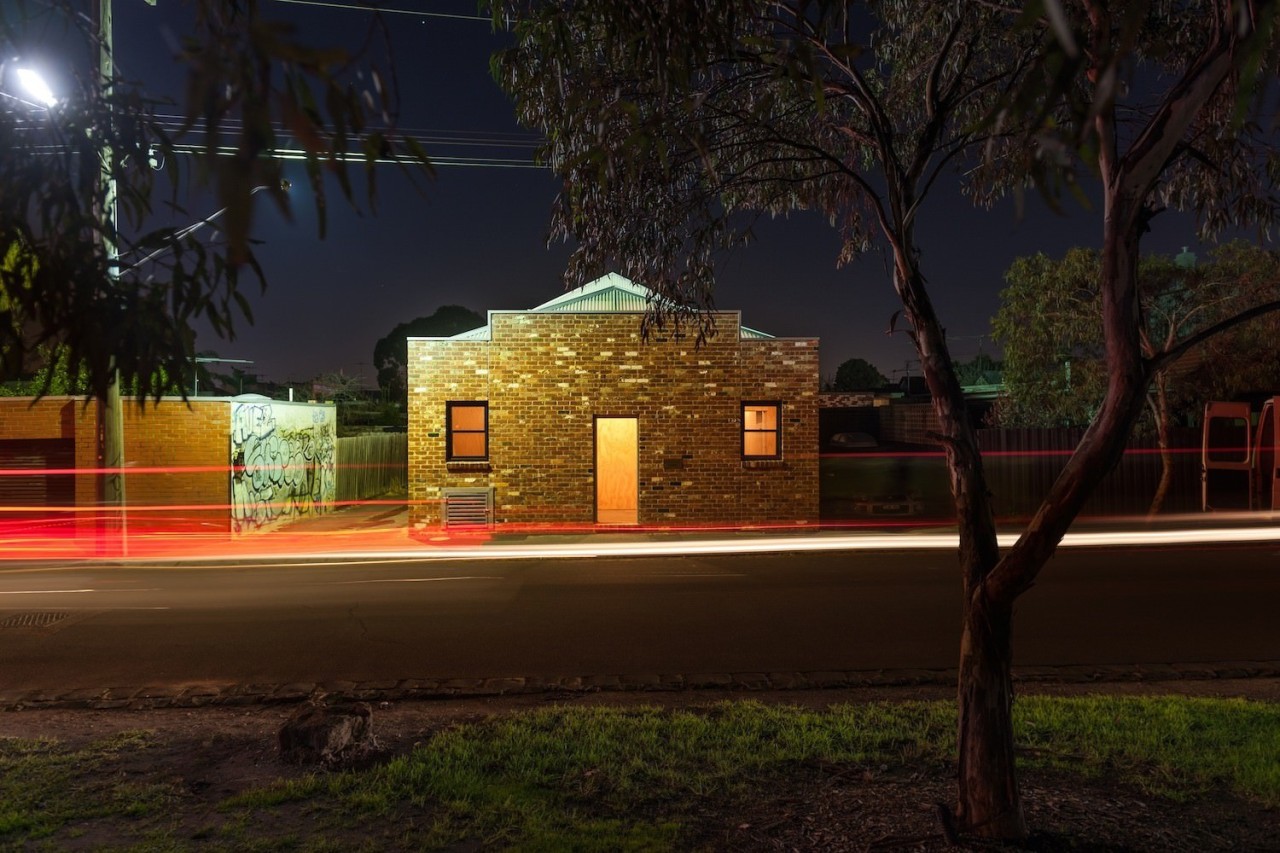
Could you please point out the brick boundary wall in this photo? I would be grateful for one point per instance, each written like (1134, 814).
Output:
(163, 435)
(851, 400)
(172, 435)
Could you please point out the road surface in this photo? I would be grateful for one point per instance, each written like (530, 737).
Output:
(298, 621)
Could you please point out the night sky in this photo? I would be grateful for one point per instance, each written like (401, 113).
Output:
(477, 236)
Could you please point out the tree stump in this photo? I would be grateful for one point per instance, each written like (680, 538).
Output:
(319, 734)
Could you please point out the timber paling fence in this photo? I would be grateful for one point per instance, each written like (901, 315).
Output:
(372, 465)
(1021, 465)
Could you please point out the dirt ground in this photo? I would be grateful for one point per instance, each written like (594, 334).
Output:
(218, 752)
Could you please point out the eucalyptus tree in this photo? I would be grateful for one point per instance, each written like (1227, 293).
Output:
(675, 124)
(104, 295)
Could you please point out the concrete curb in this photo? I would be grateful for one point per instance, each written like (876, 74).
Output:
(197, 695)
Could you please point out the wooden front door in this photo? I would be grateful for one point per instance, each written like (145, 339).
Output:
(617, 471)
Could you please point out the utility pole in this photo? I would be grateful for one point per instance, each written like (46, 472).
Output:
(113, 491)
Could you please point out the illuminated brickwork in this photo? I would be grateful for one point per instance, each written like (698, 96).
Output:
(546, 376)
(194, 443)
(165, 436)
(57, 418)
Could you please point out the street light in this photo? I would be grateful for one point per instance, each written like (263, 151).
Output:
(35, 86)
(112, 415)
(23, 85)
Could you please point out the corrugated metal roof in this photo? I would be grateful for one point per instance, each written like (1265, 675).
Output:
(609, 294)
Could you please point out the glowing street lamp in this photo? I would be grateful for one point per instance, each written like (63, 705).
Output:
(35, 86)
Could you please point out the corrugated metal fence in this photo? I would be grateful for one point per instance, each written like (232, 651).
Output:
(372, 465)
(1021, 465)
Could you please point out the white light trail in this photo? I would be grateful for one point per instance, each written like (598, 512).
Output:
(71, 591)
(788, 543)
(415, 580)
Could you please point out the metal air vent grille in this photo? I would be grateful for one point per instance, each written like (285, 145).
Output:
(468, 508)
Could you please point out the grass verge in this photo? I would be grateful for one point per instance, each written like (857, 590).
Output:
(633, 779)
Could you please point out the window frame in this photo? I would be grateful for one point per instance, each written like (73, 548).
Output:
(449, 430)
(777, 430)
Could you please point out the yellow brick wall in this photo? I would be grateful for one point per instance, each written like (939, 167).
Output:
(546, 376)
(164, 435)
(195, 442)
(58, 417)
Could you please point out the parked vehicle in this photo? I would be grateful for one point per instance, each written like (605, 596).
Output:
(852, 441)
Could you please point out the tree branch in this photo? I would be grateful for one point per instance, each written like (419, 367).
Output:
(1164, 359)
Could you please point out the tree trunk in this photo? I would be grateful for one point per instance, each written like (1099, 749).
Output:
(1162, 441)
(990, 802)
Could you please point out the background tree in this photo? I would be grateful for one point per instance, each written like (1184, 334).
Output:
(49, 373)
(18, 270)
(391, 353)
(1242, 361)
(674, 124)
(857, 374)
(337, 386)
(1049, 326)
(49, 376)
(252, 87)
(982, 369)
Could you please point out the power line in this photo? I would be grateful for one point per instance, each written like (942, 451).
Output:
(354, 7)
(490, 139)
(349, 156)
(431, 138)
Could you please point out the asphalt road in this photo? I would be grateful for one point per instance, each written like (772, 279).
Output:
(107, 626)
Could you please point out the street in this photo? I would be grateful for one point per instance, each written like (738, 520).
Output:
(376, 619)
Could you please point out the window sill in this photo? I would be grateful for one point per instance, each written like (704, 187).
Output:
(752, 464)
(477, 465)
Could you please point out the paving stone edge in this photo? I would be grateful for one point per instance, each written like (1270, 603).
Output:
(196, 695)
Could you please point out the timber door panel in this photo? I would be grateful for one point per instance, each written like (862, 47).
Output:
(617, 471)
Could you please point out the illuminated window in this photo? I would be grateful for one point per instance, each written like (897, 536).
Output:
(467, 425)
(761, 431)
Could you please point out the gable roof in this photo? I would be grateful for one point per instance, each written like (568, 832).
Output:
(609, 294)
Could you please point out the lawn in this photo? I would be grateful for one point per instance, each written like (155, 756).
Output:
(731, 775)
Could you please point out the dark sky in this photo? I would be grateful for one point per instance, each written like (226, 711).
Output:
(476, 237)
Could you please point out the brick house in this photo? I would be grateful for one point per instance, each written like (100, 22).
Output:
(563, 414)
(238, 465)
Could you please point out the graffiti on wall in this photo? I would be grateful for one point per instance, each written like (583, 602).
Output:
(283, 459)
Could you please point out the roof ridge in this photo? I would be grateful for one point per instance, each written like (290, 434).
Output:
(608, 281)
